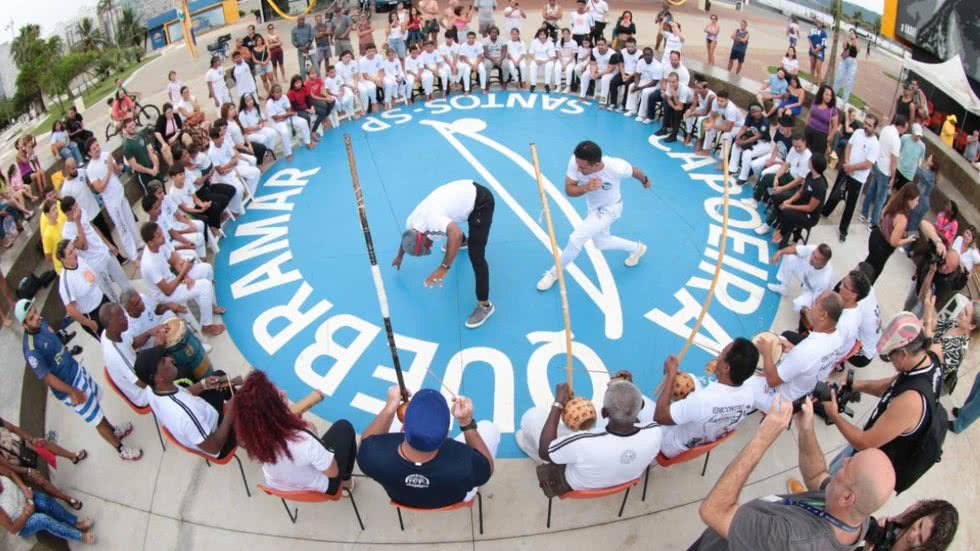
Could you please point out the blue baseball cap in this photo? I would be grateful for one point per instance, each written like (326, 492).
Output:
(426, 420)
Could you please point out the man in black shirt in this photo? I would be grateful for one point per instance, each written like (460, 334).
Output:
(751, 141)
(802, 210)
(420, 467)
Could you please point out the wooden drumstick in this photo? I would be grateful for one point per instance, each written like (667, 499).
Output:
(307, 403)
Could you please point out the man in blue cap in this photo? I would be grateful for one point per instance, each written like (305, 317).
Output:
(439, 216)
(420, 467)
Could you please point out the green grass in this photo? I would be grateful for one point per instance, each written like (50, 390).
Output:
(92, 95)
(854, 100)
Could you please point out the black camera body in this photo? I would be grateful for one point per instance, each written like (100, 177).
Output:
(822, 393)
(883, 538)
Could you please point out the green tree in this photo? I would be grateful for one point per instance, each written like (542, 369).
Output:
(129, 31)
(62, 72)
(32, 54)
(89, 36)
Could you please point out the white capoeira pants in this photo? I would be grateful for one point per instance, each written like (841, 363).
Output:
(568, 70)
(637, 100)
(712, 133)
(285, 129)
(758, 166)
(368, 92)
(741, 159)
(392, 89)
(202, 292)
(602, 84)
(110, 271)
(515, 71)
(265, 136)
(427, 81)
(595, 226)
(792, 266)
(196, 238)
(466, 73)
(122, 218)
(549, 73)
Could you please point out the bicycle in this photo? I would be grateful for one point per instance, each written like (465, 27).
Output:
(144, 115)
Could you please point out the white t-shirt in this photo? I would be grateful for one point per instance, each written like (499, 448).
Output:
(543, 51)
(217, 79)
(250, 118)
(512, 19)
(613, 171)
(516, 50)
(189, 418)
(305, 470)
(630, 60)
(869, 330)
(471, 51)
(452, 202)
(601, 459)
(182, 196)
(369, 66)
(147, 320)
(98, 169)
(581, 22)
(863, 148)
(244, 80)
(335, 85)
(347, 71)
(77, 187)
(650, 71)
(889, 143)
(234, 132)
(155, 267)
(97, 252)
(393, 68)
(602, 60)
(173, 88)
(273, 107)
(729, 112)
(598, 10)
(120, 361)
(849, 327)
(672, 43)
(81, 287)
(968, 258)
(448, 53)
(705, 416)
(801, 367)
(430, 59)
(791, 65)
(684, 93)
(812, 280)
(799, 163)
(683, 75)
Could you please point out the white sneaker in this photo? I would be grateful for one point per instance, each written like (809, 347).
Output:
(777, 288)
(763, 229)
(547, 280)
(640, 118)
(750, 202)
(634, 258)
(629, 113)
(566, 90)
(647, 121)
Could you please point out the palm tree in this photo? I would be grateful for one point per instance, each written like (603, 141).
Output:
(33, 56)
(89, 36)
(129, 30)
(838, 11)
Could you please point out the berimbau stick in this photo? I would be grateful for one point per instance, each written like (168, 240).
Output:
(379, 286)
(558, 266)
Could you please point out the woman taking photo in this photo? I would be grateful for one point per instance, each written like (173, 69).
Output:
(890, 233)
(822, 121)
(623, 30)
(263, 63)
(168, 132)
(275, 53)
(711, 31)
(395, 34)
(292, 457)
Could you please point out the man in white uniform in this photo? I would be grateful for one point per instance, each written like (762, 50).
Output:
(803, 362)
(344, 92)
(852, 289)
(217, 87)
(600, 70)
(190, 283)
(542, 55)
(415, 71)
(284, 120)
(708, 413)
(92, 247)
(372, 77)
(244, 81)
(869, 329)
(470, 56)
(76, 185)
(728, 119)
(78, 286)
(650, 72)
(119, 355)
(809, 263)
(439, 216)
(433, 62)
(597, 177)
(515, 66)
(145, 317)
(188, 244)
(103, 175)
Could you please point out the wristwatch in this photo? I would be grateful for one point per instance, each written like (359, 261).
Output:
(469, 426)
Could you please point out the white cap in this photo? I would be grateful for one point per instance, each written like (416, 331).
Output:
(916, 129)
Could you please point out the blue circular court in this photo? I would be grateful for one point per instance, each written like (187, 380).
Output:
(295, 277)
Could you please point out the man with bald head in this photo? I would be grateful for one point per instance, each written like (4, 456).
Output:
(944, 279)
(805, 360)
(833, 514)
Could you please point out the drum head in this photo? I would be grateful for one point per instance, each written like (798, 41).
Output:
(683, 385)
(176, 328)
(772, 340)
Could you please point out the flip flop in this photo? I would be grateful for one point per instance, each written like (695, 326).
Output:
(79, 457)
(74, 504)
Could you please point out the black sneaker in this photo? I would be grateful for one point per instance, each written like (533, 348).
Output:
(841, 236)
(670, 139)
(75, 350)
(532, 88)
(547, 88)
(663, 131)
(956, 412)
(65, 336)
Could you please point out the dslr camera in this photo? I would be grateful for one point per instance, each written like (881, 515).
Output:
(883, 538)
(821, 393)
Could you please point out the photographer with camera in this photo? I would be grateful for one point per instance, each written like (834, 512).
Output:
(927, 525)
(938, 271)
(833, 515)
(908, 424)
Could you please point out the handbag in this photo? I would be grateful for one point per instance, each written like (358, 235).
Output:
(551, 479)
(25, 455)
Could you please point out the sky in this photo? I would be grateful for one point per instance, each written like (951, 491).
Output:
(46, 13)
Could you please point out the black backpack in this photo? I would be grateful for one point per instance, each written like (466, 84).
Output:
(29, 285)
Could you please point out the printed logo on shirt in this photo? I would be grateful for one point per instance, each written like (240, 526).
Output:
(89, 276)
(416, 481)
(628, 457)
(301, 303)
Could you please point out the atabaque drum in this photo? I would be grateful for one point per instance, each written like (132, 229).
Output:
(186, 351)
(773, 342)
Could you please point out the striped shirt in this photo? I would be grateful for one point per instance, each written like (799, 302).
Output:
(190, 419)
(600, 459)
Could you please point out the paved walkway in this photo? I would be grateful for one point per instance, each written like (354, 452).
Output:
(173, 501)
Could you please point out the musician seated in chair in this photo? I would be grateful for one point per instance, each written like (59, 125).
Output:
(852, 289)
(421, 467)
(119, 355)
(591, 460)
(144, 315)
(713, 411)
(808, 263)
(199, 416)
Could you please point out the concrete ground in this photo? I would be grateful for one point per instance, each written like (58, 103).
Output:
(174, 501)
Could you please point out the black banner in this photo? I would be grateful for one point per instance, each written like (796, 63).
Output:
(943, 28)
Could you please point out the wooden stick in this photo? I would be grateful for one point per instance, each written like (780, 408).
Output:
(558, 266)
(379, 286)
(721, 256)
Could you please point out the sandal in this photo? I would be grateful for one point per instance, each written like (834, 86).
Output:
(74, 503)
(79, 457)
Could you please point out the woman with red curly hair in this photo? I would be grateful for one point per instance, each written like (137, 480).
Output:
(292, 457)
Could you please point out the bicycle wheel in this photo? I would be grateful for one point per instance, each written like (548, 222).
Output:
(147, 115)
